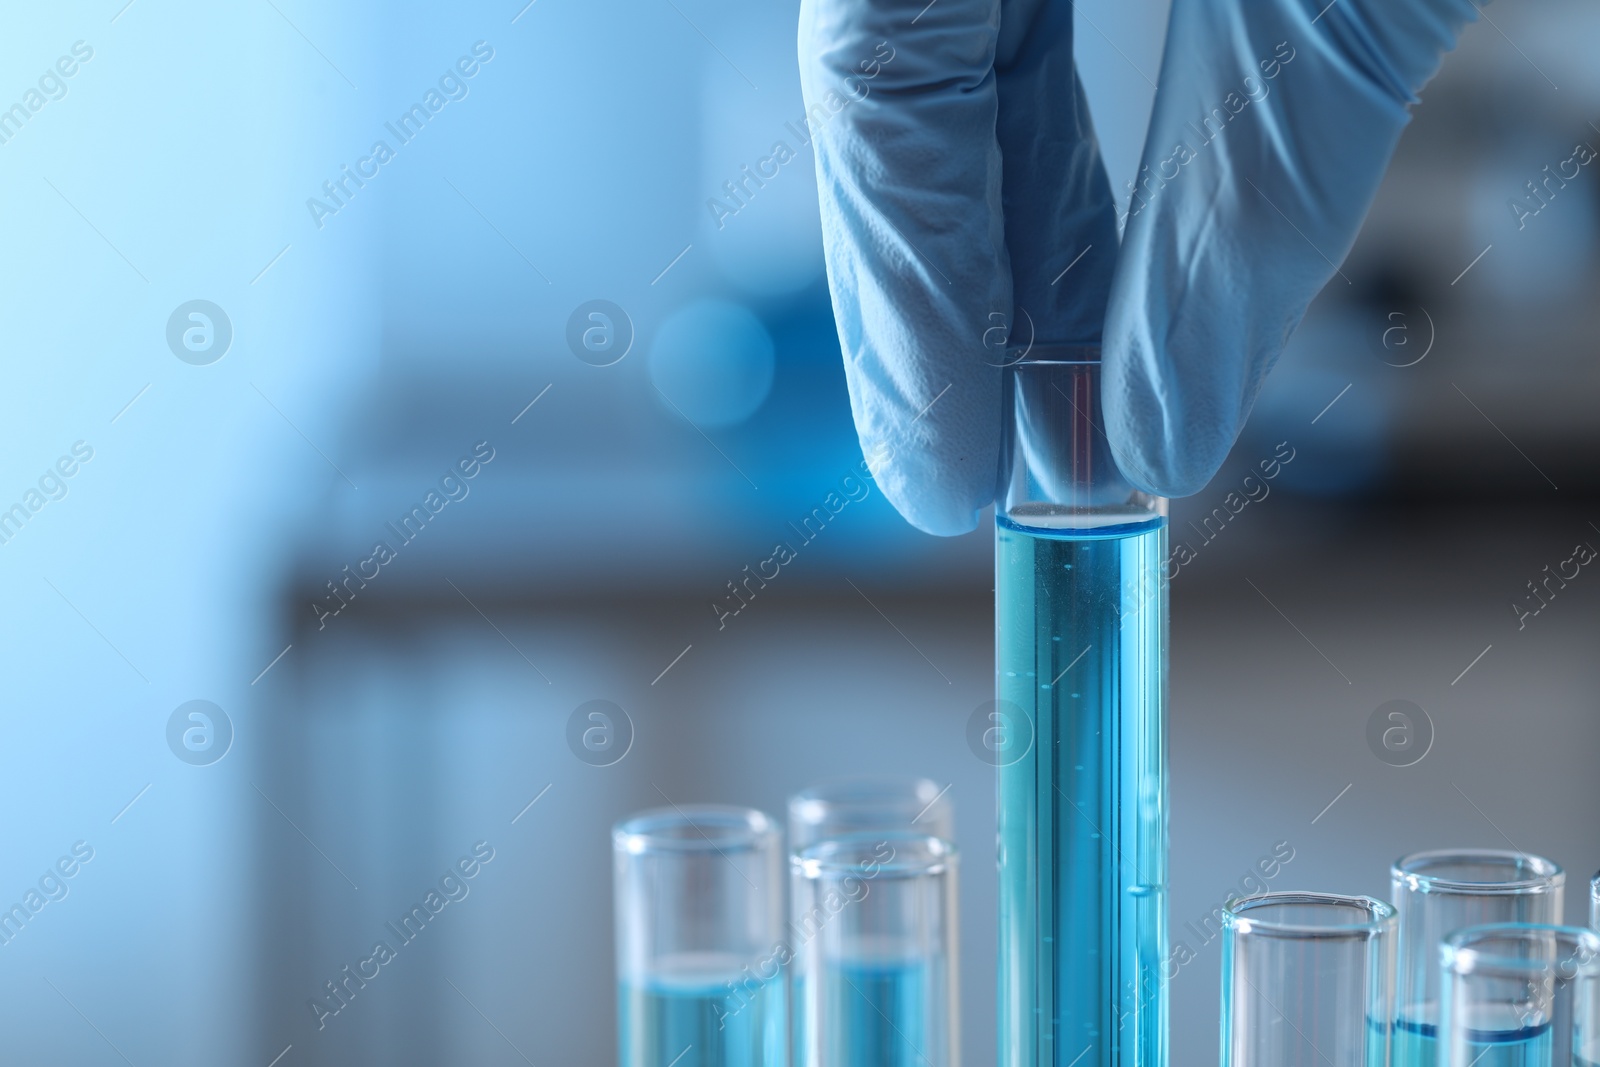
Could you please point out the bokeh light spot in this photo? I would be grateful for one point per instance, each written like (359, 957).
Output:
(713, 359)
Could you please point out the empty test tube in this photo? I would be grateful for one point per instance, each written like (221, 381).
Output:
(1437, 893)
(1307, 981)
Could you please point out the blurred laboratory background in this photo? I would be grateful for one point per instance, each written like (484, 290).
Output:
(244, 349)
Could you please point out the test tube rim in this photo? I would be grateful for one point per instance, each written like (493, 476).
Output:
(751, 829)
(892, 795)
(810, 863)
(1380, 916)
(1458, 958)
(1046, 357)
(1404, 872)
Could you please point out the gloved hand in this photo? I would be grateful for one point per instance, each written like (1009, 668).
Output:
(963, 198)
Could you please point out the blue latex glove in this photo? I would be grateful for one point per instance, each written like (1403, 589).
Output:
(960, 180)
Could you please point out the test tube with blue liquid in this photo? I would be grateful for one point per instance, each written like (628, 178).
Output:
(1080, 718)
(1519, 995)
(1438, 893)
(699, 912)
(872, 803)
(874, 927)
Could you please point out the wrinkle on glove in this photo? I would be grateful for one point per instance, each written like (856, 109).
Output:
(1273, 125)
(975, 120)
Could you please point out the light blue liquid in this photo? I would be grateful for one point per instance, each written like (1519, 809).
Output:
(1508, 1048)
(873, 1014)
(697, 1017)
(1416, 1045)
(1083, 835)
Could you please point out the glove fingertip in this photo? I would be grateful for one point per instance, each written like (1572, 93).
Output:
(1167, 441)
(938, 494)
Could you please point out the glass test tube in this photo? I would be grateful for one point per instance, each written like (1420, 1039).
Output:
(874, 930)
(878, 805)
(1594, 902)
(1520, 995)
(1307, 981)
(699, 899)
(1437, 893)
(1081, 655)
(855, 805)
